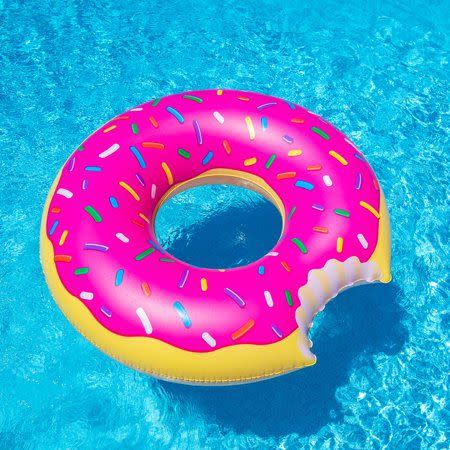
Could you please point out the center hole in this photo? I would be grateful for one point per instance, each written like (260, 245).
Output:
(218, 226)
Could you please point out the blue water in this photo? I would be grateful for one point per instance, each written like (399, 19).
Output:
(377, 70)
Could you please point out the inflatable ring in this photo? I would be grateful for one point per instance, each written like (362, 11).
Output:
(157, 314)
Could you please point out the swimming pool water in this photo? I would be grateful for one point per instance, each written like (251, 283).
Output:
(378, 70)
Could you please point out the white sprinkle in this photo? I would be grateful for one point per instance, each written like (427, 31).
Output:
(109, 151)
(65, 192)
(327, 180)
(153, 190)
(86, 295)
(145, 320)
(362, 240)
(269, 299)
(272, 254)
(350, 142)
(208, 339)
(218, 117)
(122, 237)
(136, 109)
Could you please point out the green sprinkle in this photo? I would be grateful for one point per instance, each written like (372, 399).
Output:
(134, 128)
(80, 148)
(288, 298)
(291, 212)
(320, 133)
(167, 260)
(81, 271)
(182, 152)
(342, 212)
(93, 213)
(144, 254)
(300, 245)
(193, 98)
(270, 161)
(155, 102)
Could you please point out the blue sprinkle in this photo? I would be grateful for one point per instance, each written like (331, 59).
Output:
(261, 270)
(358, 181)
(175, 113)
(304, 185)
(182, 313)
(138, 156)
(198, 132)
(72, 164)
(53, 228)
(291, 105)
(264, 123)
(119, 277)
(113, 202)
(84, 184)
(157, 246)
(207, 158)
(360, 157)
(93, 169)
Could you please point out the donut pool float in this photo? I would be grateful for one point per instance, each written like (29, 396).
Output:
(162, 316)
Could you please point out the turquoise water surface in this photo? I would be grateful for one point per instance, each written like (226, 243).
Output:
(378, 70)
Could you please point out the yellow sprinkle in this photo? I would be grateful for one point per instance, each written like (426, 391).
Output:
(295, 152)
(168, 173)
(339, 244)
(107, 130)
(370, 208)
(250, 162)
(339, 157)
(219, 92)
(144, 217)
(251, 129)
(130, 190)
(204, 284)
(63, 237)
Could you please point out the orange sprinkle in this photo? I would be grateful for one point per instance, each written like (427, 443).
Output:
(244, 99)
(370, 208)
(250, 162)
(315, 167)
(168, 173)
(62, 258)
(244, 329)
(144, 217)
(295, 152)
(339, 157)
(136, 222)
(219, 92)
(122, 118)
(226, 146)
(297, 120)
(153, 121)
(107, 130)
(284, 175)
(286, 266)
(339, 244)
(146, 289)
(55, 210)
(320, 229)
(130, 190)
(63, 237)
(156, 145)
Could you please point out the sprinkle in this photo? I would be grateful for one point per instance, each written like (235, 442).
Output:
(136, 222)
(182, 313)
(86, 295)
(208, 339)
(183, 279)
(219, 92)
(277, 331)
(93, 213)
(320, 132)
(81, 271)
(300, 245)
(320, 229)
(250, 128)
(123, 117)
(138, 156)
(97, 247)
(55, 210)
(288, 139)
(339, 157)
(360, 157)
(153, 191)
(64, 192)
(182, 152)
(156, 102)
(327, 180)
(72, 164)
(358, 181)
(198, 132)
(113, 202)
(266, 105)
(144, 320)
(167, 260)
(107, 130)
(145, 253)
(140, 179)
(243, 99)
(318, 207)
(288, 296)
(62, 258)
(261, 270)
(235, 297)
(375, 184)
(314, 167)
(93, 169)
(80, 148)
(134, 128)
(63, 237)
(136, 109)
(342, 212)
(270, 160)
(207, 158)
(250, 162)
(144, 217)
(285, 266)
(291, 212)
(156, 145)
(204, 284)
(53, 227)
(269, 299)
(243, 330)
(290, 104)
(119, 277)
(285, 175)
(294, 152)
(297, 120)
(122, 238)
(226, 146)
(304, 185)
(370, 208)
(146, 289)
(153, 121)
(84, 185)
(193, 98)
(362, 240)
(130, 190)
(106, 311)
(175, 113)
(339, 244)
(264, 123)
(218, 117)
(272, 254)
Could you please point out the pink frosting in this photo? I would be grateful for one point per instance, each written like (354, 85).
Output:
(106, 253)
